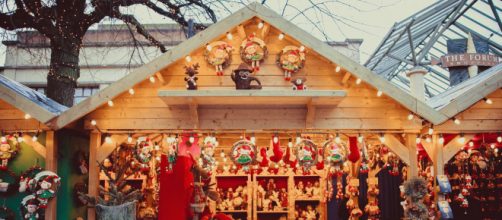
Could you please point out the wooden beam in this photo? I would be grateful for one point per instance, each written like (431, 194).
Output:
(27, 106)
(241, 32)
(412, 151)
(310, 116)
(95, 142)
(398, 148)
(264, 31)
(454, 146)
(107, 148)
(39, 148)
(346, 78)
(194, 112)
(429, 149)
(51, 164)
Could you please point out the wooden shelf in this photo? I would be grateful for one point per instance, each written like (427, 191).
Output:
(308, 200)
(273, 212)
(252, 97)
(233, 211)
(230, 175)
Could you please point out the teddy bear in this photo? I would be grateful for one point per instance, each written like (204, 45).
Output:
(191, 78)
(242, 78)
(299, 84)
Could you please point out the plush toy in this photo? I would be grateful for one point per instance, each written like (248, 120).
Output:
(6, 153)
(243, 79)
(218, 54)
(307, 153)
(299, 84)
(253, 51)
(291, 59)
(191, 78)
(45, 192)
(31, 206)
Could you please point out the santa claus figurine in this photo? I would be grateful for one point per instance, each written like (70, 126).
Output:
(299, 84)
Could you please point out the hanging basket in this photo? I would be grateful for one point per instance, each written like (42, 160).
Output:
(126, 211)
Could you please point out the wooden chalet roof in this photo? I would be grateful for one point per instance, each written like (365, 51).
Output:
(219, 29)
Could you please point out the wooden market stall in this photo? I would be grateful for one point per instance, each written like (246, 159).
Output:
(343, 100)
(24, 122)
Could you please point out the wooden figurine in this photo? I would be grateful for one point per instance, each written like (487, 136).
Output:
(191, 78)
(242, 78)
(299, 84)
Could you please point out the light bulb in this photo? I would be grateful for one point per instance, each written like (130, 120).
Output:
(152, 79)
(456, 121)
(379, 93)
(222, 154)
(188, 59)
(290, 144)
(27, 116)
(337, 69)
(224, 160)
(157, 158)
(488, 101)
(229, 36)
(108, 139)
(191, 139)
(20, 139)
(3, 139)
(209, 47)
(492, 146)
(302, 48)
(499, 139)
(358, 81)
(275, 139)
(260, 25)
(418, 139)
(471, 144)
(382, 138)
(131, 91)
(110, 103)
(93, 122)
(157, 147)
(253, 139)
(441, 139)
(298, 139)
(411, 116)
(337, 138)
(461, 139)
(431, 130)
(129, 139)
(234, 167)
(281, 36)
(360, 139)
(34, 138)
(428, 139)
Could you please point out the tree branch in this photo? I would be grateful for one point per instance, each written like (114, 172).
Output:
(16, 20)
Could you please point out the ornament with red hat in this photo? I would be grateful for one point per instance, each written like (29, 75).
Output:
(46, 192)
(6, 152)
(218, 54)
(243, 153)
(253, 51)
(30, 206)
(307, 153)
(276, 149)
(291, 59)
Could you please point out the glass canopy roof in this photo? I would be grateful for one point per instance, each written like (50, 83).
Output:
(421, 38)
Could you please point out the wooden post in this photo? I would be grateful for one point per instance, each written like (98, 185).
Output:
(438, 162)
(95, 142)
(51, 164)
(412, 149)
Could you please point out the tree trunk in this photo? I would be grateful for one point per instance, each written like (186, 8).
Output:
(64, 69)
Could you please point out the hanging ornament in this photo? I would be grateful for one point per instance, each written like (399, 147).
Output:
(143, 155)
(48, 184)
(27, 182)
(291, 59)
(334, 153)
(172, 152)
(30, 206)
(218, 54)
(253, 51)
(243, 153)
(9, 146)
(8, 182)
(262, 157)
(208, 161)
(306, 153)
(276, 149)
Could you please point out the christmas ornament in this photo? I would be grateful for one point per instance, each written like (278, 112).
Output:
(47, 187)
(8, 182)
(299, 84)
(253, 51)
(143, 155)
(30, 206)
(306, 153)
(27, 182)
(191, 78)
(208, 161)
(291, 59)
(243, 153)
(7, 151)
(172, 152)
(218, 54)
(276, 148)
(243, 79)
(262, 157)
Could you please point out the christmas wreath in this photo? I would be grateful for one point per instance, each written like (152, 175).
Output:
(253, 51)
(9, 183)
(306, 153)
(218, 54)
(243, 153)
(291, 59)
(9, 147)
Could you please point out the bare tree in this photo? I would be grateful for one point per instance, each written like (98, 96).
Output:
(65, 22)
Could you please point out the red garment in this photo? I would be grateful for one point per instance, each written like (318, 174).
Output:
(276, 147)
(354, 154)
(175, 189)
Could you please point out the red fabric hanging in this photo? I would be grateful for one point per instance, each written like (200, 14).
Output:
(354, 154)
(175, 189)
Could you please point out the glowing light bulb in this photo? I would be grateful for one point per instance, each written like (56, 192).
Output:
(428, 139)
(275, 139)
(225, 160)
(431, 130)
(360, 139)
(379, 93)
(229, 36)
(382, 138)
(456, 121)
(108, 140)
(253, 139)
(290, 144)
(411, 116)
(471, 144)
(222, 154)
(337, 69)
(441, 139)
(461, 139)
(129, 139)
(110, 103)
(93, 122)
(418, 139)
(131, 91)
(188, 59)
(27, 116)
(302, 48)
(488, 101)
(260, 25)
(298, 139)
(20, 139)
(281, 36)
(337, 138)
(358, 81)
(156, 147)
(191, 139)
(492, 146)
(152, 79)
(34, 138)
(499, 138)
(209, 47)
(3, 139)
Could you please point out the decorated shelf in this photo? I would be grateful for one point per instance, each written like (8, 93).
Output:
(273, 212)
(252, 97)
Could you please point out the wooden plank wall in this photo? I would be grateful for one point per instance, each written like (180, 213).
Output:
(361, 109)
(12, 119)
(479, 117)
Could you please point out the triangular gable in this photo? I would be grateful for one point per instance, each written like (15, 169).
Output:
(29, 101)
(216, 30)
(469, 92)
